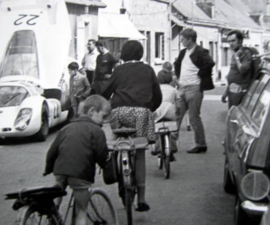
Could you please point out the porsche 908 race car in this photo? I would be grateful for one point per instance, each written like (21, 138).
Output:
(26, 112)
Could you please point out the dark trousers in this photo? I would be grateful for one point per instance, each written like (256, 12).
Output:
(100, 86)
(90, 76)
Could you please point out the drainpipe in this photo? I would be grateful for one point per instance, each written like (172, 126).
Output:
(170, 31)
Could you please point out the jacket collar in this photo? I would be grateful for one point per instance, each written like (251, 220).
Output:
(84, 118)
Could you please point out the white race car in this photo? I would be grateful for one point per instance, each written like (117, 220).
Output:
(34, 82)
(24, 111)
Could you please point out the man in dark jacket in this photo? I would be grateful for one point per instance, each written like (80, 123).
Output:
(193, 67)
(77, 148)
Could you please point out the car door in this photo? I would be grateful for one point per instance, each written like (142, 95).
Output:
(241, 130)
(233, 118)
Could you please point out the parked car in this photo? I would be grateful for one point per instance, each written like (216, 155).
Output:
(247, 147)
(266, 217)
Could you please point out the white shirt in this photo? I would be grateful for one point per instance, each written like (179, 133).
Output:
(189, 71)
(90, 60)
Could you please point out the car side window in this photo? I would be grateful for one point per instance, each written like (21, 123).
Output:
(261, 106)
(248, 95)
(256, 94)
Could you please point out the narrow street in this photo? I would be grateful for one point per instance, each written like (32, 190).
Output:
(193, 194)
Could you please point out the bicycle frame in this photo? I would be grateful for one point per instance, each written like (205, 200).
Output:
(164, 129)
(164, 133)
(39, 204)
(126, 148)
(126, 160)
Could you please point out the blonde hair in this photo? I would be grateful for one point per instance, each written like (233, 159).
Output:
(96, 101)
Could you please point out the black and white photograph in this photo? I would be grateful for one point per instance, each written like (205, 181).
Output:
(135, 112)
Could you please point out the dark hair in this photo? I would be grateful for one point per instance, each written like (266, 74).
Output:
(164, 77)
(237, 33)
(132, 50)
(93, 41)
(189, 34)
(96, 101)
(167, 66)
(100, 43)
(73, 66)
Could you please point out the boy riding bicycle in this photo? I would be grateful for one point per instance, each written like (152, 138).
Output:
(75, 151)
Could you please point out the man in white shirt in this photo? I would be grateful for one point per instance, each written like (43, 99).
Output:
(90, 60)
(193, 67)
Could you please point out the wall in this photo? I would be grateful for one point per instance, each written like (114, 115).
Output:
(84, 26)
(151, 17)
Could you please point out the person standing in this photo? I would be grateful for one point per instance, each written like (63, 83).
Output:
(193, 67)
(89, 60)
(105, 65)
(240, 69)
(79, 87)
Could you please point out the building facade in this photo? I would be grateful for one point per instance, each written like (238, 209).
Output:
(83, 16)
(151, 18)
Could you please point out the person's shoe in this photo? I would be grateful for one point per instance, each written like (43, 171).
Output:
(198, 150)
(142, 207)
(172, 158)
(154, 153)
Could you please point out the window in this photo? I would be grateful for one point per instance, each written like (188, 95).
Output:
(257, 94)
(262, 105)
(211, 49)
(225, 55)
(12, 95)
(249, 93)
(160, 45)
(201, 44)
(21, 56)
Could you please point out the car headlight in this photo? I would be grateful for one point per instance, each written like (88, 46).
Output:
(23, 119)
(255, 185)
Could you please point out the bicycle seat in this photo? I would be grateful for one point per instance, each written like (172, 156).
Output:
(45, 192)
(137, 142)
(124, 131)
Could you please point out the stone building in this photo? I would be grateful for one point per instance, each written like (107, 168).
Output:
(83, 16)
(151, 18)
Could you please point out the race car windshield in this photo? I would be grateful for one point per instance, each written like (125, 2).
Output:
(21, 55)
(12, 95)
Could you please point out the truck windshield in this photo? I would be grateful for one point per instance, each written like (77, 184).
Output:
(21, 55)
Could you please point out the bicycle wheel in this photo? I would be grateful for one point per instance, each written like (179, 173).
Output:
(166, 156)
(31, 216)
(100, 208)
(160, 155)
(160, 161)
(128, 203)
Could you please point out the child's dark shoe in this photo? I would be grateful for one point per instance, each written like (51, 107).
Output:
(154, 153)
(142, 207)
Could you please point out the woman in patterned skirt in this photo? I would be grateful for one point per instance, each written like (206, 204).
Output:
(135, 95)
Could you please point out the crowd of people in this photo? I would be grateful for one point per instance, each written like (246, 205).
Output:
(130, 94)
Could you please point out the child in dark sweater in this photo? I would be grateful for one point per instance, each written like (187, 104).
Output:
(77, 148)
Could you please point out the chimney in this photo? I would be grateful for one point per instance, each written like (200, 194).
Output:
(207, 6)
(123, 9)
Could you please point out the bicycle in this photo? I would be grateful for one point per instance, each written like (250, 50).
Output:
(125, 147)
(36, 206)
(164, 129)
